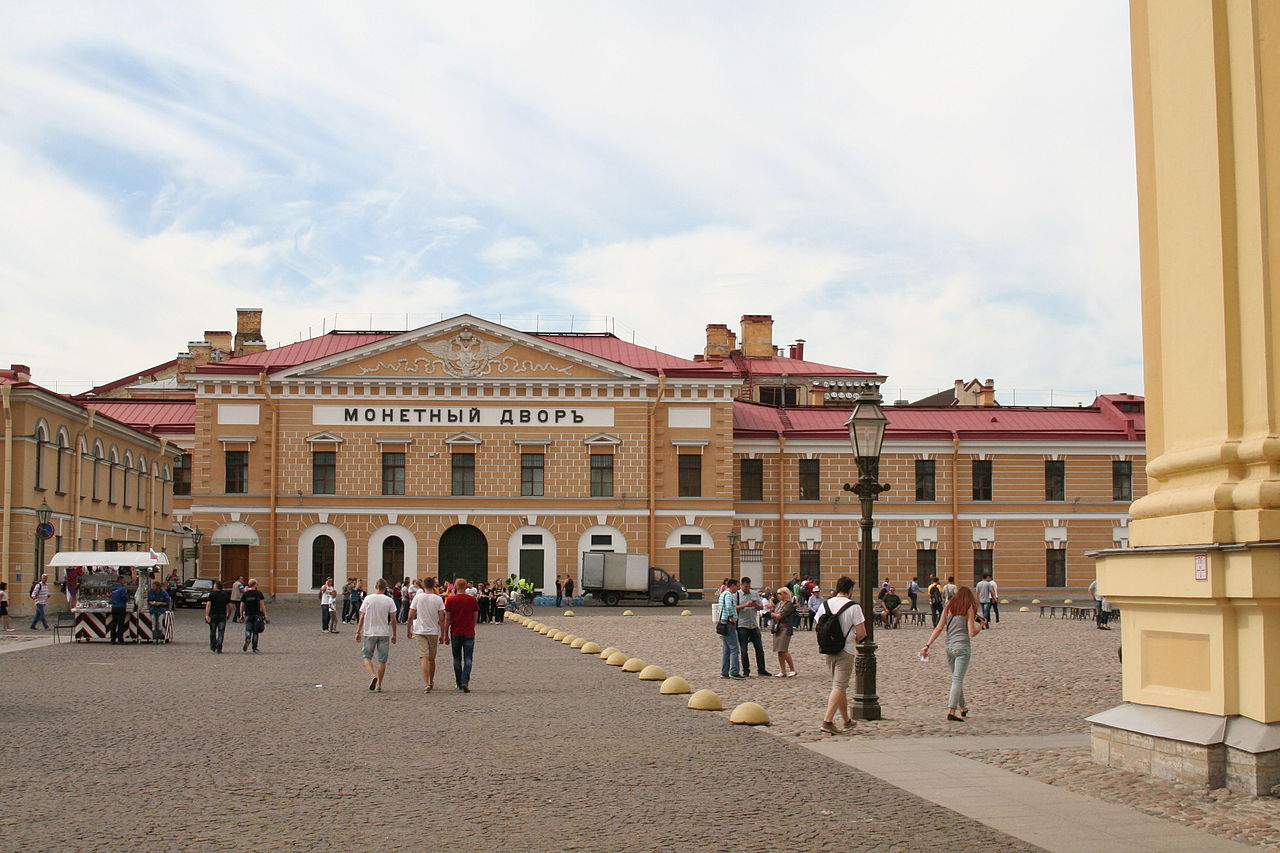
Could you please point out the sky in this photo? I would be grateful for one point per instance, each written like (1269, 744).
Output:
(929, 190)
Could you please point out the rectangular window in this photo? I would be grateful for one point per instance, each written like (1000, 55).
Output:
(464, 474)
(811, 566)
(810, 470)
(531, 539)
(601, 540)
(1055, 567)
(690, 475)
(1055, 480)
(601, 475)
(926, 565)
(237, 472)
(982, 479)
(1122, 480)
(531, 473)
(778, 396)
(984, 563)
(751, 479)
(393, 472)
(690, 538)
(926, 470)
(324, 472)
(182, 475)
(142, 490)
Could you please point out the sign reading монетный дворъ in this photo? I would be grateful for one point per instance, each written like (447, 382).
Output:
(479, 416)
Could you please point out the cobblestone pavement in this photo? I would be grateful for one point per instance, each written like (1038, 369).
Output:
(1239, 817)
(153, 748)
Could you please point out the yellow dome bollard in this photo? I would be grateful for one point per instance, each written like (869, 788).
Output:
(557, 636)
(568, 639)
(617, 659)
(604, 655)
(1035, 601)
(686, 612)
(545, 631)
(675, 685)
(749, 714)
(569, 613)
(1004, 601)
(578, 643)
(1024, 609)
(627, 613)
(633, 665)
(590, 649)
(653, 672)
(1068, 601)
(706, 700)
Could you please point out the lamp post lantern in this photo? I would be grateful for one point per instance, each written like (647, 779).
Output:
(196, 536)
(43, 532)
(866, 434)
(734, 537)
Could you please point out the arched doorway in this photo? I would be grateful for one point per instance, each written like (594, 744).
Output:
(393, 560)
(464, 553)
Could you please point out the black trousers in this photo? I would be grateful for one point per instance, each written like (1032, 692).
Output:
(914, 603)
(936, 610)
(217, 630)
(752, 636)
(119, 618)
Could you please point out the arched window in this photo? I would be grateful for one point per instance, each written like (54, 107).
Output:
(63, 449)
(113, 464)
(124, 477)
(393, 559)
(322, 560)
(42, 439)
(95, 464)
(142, 482)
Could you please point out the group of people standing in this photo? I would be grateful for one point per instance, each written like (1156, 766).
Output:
(249, 606)
(741, 612)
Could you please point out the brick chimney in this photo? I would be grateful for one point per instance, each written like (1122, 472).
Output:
(248, 330)
(797, 350)
(220, 340)
(987, 394)
(817, 395)
(186, 364)
(200, 353)
(718, 342)
(757, 335)
(21, 373)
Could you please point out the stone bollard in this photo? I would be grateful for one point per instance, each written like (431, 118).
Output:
(706, 700)
(604, 655)
(749, 714)
(675, 685)
(617, 659)
(653, 672)
(633, 665)
(590, 649)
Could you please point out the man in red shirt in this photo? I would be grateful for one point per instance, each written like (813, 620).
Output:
(459, 632)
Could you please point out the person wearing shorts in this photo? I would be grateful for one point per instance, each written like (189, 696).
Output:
(840, 664)
(376, 633)
(424, 625)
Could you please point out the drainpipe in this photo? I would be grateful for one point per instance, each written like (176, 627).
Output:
(653, 453)
(5, 391)
(782, 507)
(271, 486)
(77, 475)
(955, 503)
(151, 504)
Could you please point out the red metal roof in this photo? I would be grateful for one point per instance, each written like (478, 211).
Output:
(151, 415)
(621, 352)
(128, 380)
(779, 364)
(291, 355)
(1100, 422)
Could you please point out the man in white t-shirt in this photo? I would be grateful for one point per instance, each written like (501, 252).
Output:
(376, 632)
(424, 625)
(840, 665)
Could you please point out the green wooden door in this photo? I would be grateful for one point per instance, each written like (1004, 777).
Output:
(531, 565)
(691, 572)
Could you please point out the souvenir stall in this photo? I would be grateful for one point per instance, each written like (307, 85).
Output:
(101, 569)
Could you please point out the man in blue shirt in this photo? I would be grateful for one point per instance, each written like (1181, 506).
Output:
(157, 605)
(119, 610)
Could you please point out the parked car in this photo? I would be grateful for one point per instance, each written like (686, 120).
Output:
(194, 593)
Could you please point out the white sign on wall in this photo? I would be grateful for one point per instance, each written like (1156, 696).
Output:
(1202, 567)
(478, 416)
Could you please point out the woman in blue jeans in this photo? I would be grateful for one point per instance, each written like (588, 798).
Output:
(729, 653)
(961, 622)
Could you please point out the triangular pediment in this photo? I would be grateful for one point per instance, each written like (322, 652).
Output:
(465, 348)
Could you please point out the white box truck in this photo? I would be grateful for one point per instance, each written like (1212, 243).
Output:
(613, 577)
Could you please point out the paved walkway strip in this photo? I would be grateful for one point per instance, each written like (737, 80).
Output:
(1049, 817)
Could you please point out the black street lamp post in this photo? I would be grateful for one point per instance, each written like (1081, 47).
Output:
(734, 536)
(866, 434)
(43, 514)
(196, 536)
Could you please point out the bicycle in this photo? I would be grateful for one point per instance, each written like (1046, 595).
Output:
(521, 604)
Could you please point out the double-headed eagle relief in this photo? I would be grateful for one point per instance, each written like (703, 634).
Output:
(465, 355)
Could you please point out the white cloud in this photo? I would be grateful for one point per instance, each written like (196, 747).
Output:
(931, 189)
